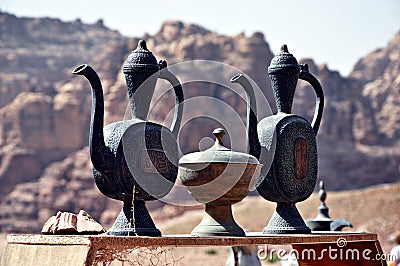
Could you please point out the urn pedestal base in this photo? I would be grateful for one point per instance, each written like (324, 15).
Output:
(218, 221)
(286, 220)
(138, 224)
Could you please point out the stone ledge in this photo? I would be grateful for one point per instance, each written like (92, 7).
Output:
(252, 238)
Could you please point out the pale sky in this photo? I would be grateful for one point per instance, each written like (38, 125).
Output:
(333, 32)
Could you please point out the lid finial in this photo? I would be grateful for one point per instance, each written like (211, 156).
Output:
(219, 134)
(284, 49)
(322, 192)
(142, 44)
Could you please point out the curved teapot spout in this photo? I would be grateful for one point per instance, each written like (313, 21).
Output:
(252, 143)
(98, 150)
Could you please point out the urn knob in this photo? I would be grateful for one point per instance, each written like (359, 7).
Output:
(219, 133)
(218, 153)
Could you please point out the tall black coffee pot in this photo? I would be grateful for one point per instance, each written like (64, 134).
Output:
(289, 142)
(134, 160)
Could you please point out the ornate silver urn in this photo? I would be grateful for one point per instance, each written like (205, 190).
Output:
(218, 177)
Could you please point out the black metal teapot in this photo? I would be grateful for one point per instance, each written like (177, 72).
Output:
(323, 222)
(289, 141)
(134, 160)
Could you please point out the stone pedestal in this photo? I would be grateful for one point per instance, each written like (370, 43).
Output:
(46, 250)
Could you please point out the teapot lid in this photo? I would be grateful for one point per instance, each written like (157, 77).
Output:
(283, 60)
(218, 154)
(141, 59)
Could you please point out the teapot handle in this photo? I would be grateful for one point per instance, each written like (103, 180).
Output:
(319, 101)
(171, 78)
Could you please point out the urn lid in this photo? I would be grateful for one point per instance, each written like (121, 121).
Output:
(283, 60)
(141, 60)
(218, 154)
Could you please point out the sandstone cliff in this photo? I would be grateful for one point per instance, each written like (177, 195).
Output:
(45, 112)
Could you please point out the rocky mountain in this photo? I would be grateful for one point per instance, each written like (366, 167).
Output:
(45, 111)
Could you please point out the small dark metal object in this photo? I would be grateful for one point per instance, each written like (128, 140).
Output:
(289, 141)
(218, 177)
(323, 222)
(134, 160)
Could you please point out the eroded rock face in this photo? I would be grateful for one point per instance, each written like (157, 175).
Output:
(66, 185)
(41, 110)
(45, 112)
(380, 73)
